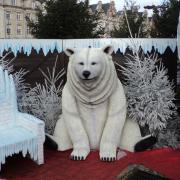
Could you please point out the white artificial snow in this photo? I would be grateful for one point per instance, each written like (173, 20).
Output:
(17, 45)
(22, 141)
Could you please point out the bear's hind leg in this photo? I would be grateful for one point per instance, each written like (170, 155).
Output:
(146, 143)
(61, 136)
(130, 135)
(132, 140)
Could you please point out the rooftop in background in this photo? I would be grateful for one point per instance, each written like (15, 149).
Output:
(108, 9)
(105, 7)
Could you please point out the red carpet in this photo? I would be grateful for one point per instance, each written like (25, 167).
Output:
(58, 166)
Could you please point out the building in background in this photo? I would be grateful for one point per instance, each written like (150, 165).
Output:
(14, 15)
(110, 18)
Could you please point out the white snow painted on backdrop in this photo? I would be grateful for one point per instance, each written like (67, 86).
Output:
(122, 43)
(17, 45)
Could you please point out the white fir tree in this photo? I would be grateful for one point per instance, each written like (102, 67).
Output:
(149, 93)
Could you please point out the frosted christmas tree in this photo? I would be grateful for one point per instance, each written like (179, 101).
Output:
(149, 93)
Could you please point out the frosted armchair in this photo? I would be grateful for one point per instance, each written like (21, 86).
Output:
(19, 132)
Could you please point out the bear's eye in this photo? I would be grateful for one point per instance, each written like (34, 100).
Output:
(93, 63)
(81, 63)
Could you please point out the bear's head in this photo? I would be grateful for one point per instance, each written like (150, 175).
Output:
(89, 63)
(91, 75)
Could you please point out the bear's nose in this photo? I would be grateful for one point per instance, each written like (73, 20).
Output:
(86, 74)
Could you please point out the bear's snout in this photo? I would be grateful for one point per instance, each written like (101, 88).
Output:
(86, 74)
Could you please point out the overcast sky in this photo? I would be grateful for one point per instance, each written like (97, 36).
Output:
(120, 3)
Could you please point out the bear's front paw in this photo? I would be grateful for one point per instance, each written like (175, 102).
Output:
(79, 154)
(108, 153)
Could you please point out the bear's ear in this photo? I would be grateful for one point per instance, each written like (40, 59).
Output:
(108, 49)
(69, 51)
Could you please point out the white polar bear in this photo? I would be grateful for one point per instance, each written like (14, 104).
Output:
(94, 107)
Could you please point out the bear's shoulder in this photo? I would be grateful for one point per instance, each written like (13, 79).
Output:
(67, 96)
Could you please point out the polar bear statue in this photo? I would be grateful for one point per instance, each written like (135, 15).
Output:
(94, 108)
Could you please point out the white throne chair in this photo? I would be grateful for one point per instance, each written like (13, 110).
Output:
(19, 132)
